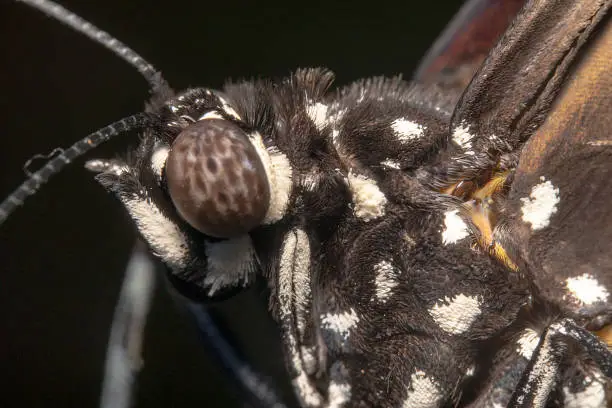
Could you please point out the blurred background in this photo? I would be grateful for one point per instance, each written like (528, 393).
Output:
(63, 254)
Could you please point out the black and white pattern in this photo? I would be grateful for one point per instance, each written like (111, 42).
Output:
(381, 296)
(387, 241)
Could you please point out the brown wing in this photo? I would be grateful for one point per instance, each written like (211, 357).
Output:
(536, 122)
(561, 197)
(460, 49)
(514, 88)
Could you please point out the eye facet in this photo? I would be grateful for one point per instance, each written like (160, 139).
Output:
(216, 180)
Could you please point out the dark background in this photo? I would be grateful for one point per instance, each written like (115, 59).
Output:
(63, 254)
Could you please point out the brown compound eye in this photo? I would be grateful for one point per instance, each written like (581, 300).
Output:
(216, 180)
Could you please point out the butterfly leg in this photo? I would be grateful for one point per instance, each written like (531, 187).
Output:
(123, 359)
(541, 375)
(216, 340)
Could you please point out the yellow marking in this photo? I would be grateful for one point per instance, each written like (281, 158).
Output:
(482, 215)
(450, 189)
(479, 213)
(605, 334)
(492, 187)
(500, 253)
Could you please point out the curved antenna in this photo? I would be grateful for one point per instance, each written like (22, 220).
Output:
(53, 166)
(157, 83)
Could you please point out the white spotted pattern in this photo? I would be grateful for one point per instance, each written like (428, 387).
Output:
(385, 280)
(211, 115)
(454, 228)
(310, 180)
(294, 275)
(164, 236)
(158, 161)
(230, 262)
(279, 173)
(306, 390)
(586, 289)
(340, 324)
(317, 112)
(423, 392)
(407, 130)
(98, 166)
(545, 369)
(228, 109)
(392, 164)
(294, 298)
(463, 138)
(540, 205)
(457, 316)
(368, 199)
(527, 343)
(593, 395)
(339, 389)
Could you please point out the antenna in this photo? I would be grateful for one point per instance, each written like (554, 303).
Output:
(158, 85)
(39, 178)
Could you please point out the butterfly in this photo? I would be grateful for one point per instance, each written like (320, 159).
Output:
(373, 225)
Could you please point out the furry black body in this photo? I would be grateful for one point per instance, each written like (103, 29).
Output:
(404, 235)
(377, 303)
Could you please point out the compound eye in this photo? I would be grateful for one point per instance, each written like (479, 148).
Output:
(216, 180)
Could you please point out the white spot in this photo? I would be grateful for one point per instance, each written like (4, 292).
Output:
(407, 130)
(586, 289)
(306, 391)
(230, 262)
(423, 392)
(593, 395)
(98, 166)
(600, 143)
(279, 174)
(339, 389)
(368, 199)
(294, 277)
(385, 281)
(294, 299)
(335, 115)
(391, 164)
(339, 325)
(158, 161)
(309, 359)
(362, 95)
(339, 394)
(228, 109)
(540, 205)
(334, 134)
(165, 238)
(527, 343)
(310, 180)
(454, 228)
(544, 373)
(211, 115)
(458, 315)
(462, 137)
(470, 371)
(317, 112)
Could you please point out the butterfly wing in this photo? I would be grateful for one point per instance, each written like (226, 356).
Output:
(462, 46)
(538, 109)
(559, 203)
